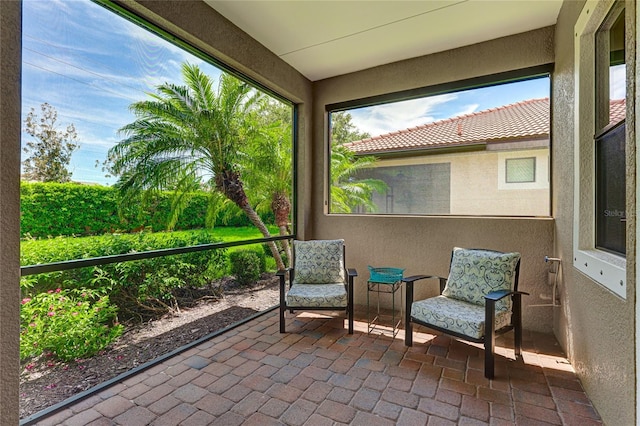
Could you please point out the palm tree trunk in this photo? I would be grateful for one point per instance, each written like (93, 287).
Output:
(257, 221)
(281, 208)
(230, 185)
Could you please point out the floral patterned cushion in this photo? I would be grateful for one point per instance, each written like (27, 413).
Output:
(475, 273)
(317, 295)
(456, 315)
(318, 261)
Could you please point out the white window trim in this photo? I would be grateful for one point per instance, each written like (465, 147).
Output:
(605, 268)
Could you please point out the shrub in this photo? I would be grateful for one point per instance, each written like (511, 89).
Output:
(70, 324)
(246, 265)
(64, 209)
(267, 251)
(139, 288)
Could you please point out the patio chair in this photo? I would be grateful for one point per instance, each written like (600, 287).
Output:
(318, 280)
(479, 300)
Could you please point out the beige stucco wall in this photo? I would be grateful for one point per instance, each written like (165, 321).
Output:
(423, 244)
(595, 327)
(10, 57)
(478, 185)
(477, 182)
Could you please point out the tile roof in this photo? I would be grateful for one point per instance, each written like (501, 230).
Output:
(617, 110)
(520, 121)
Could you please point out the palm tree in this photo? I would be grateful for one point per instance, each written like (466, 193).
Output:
(348, 191)
(268, 168)
(187, 134)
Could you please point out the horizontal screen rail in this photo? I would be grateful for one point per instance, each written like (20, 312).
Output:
(128, 257)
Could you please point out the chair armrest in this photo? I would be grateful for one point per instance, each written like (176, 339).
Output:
(352, 272)
(501, 294)
(410, 280)
(414, 278)
(282, 273)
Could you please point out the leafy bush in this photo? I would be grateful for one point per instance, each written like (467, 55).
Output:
(267, 251)
(70, 324)
(247, 265)
(65, 209)
(139, 288)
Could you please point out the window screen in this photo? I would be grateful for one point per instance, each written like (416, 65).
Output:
(610, 190)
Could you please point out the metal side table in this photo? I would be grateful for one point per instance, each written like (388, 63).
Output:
(384, 281)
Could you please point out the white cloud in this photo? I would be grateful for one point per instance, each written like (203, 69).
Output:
(381, 119)
(466, 109)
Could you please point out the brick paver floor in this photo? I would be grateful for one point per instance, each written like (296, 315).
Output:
(317, 374)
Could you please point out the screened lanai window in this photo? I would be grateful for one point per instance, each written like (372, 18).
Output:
(477, 149)
(95, 80)
(154, 180)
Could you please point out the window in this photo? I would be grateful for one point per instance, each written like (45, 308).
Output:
(520, 170)
(93, 70)
(413, 189)
(610, 133)
(610, 190)
(477, 148)
(600, 140)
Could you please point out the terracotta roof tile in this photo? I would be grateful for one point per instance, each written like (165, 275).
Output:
(524, 120)
(617, 110)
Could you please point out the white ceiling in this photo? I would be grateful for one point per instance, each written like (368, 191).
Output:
(325, 38)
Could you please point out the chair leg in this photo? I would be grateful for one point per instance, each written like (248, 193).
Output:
(489, 361)
(517, 324)
(408, 328)
(283, 303)
(350, 319)
(408, 332)
(282, 324)
(489, 339)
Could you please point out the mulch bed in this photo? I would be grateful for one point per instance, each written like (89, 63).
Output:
(49, 381)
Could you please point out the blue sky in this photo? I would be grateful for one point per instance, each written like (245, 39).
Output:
(91, 64)
(383, 119)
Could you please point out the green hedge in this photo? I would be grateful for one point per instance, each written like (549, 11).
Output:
(247, 265)
(143, 287)
(55, 209)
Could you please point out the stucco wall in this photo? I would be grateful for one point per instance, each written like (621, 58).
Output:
(10, 57)
(477, 182)
(595, 327)
(423, 244)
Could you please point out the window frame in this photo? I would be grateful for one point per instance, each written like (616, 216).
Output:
(513, 76)
(607, 269)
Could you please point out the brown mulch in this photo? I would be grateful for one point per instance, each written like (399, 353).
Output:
(51, 381)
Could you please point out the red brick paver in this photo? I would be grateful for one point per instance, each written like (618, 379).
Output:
(317, 374)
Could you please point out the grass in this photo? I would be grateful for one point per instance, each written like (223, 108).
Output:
(32, 247)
